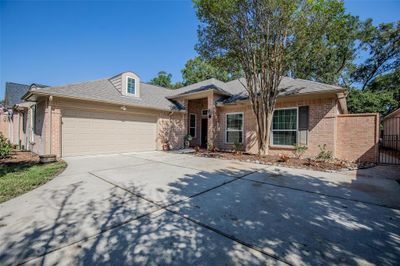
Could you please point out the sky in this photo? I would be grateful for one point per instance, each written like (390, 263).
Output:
(59, 42)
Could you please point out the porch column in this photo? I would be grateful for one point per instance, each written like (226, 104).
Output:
(212, 121)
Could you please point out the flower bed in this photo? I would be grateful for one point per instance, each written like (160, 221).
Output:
(320, 165)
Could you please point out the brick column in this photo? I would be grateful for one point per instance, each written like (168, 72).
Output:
(212, 122)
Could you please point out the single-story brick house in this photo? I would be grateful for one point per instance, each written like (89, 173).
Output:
(122, 114)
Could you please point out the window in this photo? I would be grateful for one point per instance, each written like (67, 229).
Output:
(234, 128)
(204, 113)
(192, 125)
(284, 127)
(130, 85)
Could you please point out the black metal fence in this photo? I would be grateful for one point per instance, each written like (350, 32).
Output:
(389, 146)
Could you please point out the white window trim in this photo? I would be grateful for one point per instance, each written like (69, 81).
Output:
(127, 92)
(33, 123)
(195, 124)
(296, 130)
(226, 127)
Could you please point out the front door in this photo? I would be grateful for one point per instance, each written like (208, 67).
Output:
(204, 132)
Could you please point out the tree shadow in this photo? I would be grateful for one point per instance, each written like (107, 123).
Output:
(271, 211)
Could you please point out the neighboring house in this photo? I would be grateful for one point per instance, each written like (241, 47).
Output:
(10, 118)
(391, 130)
(122, 114)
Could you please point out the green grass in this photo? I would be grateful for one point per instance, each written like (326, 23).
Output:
(19, 179)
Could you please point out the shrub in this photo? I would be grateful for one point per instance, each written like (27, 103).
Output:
(324, 154)
(5, 147)
(299, 150)
(238, 146)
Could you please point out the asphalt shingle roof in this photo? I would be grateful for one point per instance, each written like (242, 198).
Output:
(152, 96)
(13, 93)
(103, 90)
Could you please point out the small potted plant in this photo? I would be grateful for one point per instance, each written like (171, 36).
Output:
(187, 140)
(165, 145)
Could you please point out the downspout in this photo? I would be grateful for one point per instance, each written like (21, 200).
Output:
(50, 123)
(19, 129)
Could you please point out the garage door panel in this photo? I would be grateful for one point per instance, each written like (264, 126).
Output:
(92, 132)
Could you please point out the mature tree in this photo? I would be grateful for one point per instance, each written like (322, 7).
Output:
(256, 34)
(199, 69)
(163, 79)
(263, 37)
(386, 82)
(382, 95)
(365, 101)
(382, 44)
(325, 43)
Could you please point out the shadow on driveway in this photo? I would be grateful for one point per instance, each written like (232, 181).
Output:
(233, 221)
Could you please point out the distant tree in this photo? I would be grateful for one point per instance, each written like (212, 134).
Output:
(163, 79)
(199, 69)
(365, 101)
(178, 85)
(382, 44)
(386, 82)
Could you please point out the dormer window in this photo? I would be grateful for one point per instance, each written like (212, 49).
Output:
(130, 85)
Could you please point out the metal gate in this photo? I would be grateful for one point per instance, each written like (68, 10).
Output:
(389, 145)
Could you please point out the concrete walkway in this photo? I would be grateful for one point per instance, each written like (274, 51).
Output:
(169, 208)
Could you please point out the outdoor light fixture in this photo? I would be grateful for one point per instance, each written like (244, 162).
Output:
(123, 108)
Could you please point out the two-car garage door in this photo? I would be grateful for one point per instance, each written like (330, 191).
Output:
(95, 132)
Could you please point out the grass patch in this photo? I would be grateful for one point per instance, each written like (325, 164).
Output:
(21, 178)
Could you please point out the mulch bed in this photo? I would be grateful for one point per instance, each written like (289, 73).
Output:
(319, 165)
(20, 158)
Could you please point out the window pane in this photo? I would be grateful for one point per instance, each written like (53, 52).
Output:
(192, 132)
(192, 120)
(285, 119)
(234, 136)
(234, 121)
(131, 85)
(284, 137)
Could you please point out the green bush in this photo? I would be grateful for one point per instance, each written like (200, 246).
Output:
(324, 154)
(5, 147)
(299, 150)
(238, 146)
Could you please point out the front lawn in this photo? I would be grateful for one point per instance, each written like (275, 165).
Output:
(16, 179)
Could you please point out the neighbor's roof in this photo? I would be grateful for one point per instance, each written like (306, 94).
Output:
(13, 93)
(392, 114)
(103, 90)
(156, 97)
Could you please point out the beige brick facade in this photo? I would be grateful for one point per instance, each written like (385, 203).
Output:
(350, 137)
(326, 127)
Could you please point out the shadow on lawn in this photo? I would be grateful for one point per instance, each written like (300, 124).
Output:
(299, 227)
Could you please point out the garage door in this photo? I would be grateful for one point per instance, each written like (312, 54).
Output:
(93, 132)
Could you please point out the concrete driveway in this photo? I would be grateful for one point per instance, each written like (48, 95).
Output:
(168, 208)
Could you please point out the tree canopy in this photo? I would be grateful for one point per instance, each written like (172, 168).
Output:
(162, 79)
(382, 44)
(323, 43)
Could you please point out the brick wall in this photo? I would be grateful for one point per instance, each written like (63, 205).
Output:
(358, 137)
(173, 128)
(322, 125)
